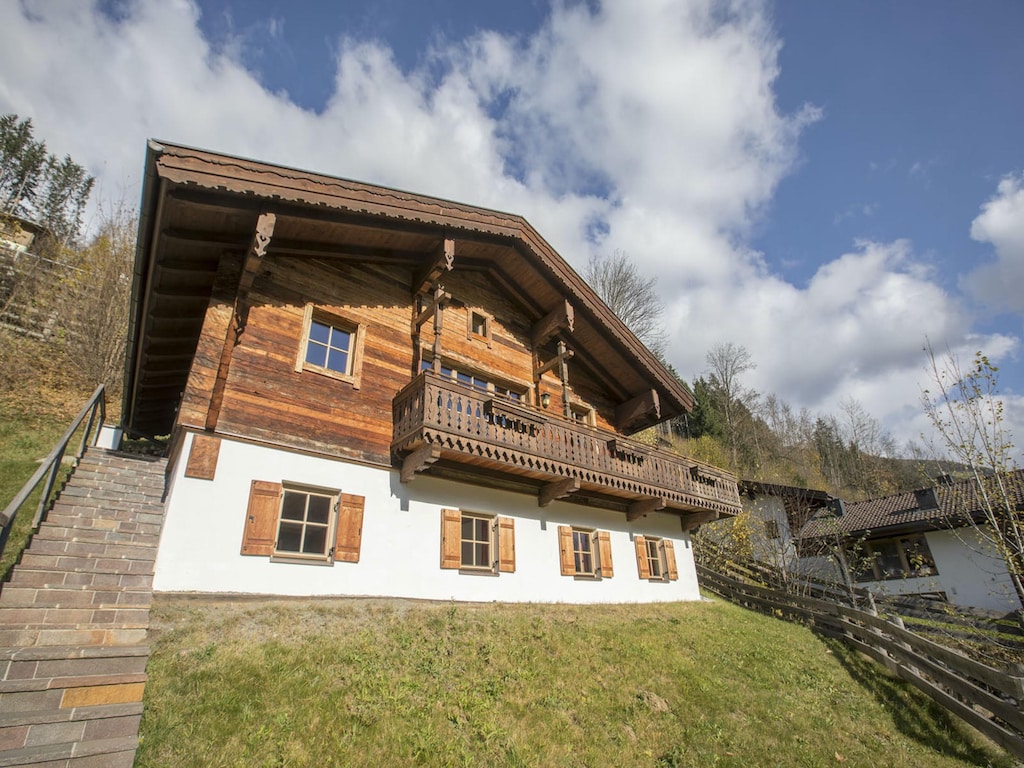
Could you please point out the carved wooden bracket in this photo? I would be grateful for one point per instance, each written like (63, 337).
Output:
(443, 261)
(562, 316)
(250, 268)
(557, 490)
(695, 519)
(419, 459)
(642, 407)
(640, 508)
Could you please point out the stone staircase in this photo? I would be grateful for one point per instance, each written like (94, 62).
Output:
(73, 619)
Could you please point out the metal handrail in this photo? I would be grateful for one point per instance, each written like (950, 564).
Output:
(50, 466)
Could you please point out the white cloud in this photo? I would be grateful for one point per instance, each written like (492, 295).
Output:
(1000, 285)
(649, 127)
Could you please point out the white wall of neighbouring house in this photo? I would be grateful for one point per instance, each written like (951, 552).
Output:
(400, 549)
(969, 571)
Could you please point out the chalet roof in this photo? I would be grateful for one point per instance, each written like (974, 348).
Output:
(198, 205)
(923, 509)
(807, 496)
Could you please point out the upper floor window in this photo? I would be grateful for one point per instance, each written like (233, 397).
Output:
(331, 345)
(478, 326)
(471, 379)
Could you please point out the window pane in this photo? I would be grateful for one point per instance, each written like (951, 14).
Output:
(464, 378)
(316, 540)
(482, 529)
(289, 536)
(294, 505)
(467, 527)
(467, 553)
(319, 332)
(337, 360)
(316, 354)
(341, 339)
(887, 557)
(446, 371)
(483, 554)
(583, 563)
(319, 509)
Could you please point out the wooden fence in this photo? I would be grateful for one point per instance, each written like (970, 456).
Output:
(986, 698)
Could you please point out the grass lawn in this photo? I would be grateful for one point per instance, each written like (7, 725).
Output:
(376, 682)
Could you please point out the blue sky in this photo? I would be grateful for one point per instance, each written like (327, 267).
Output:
(827, 184)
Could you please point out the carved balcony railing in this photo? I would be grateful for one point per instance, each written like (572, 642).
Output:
(455, 427)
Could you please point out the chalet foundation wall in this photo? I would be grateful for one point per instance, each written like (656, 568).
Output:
(401, 538)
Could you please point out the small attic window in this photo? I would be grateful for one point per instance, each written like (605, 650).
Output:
(478, 326)
(926, 499)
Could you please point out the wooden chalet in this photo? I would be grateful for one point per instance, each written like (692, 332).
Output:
(361, 352)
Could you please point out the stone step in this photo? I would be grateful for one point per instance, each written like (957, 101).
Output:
(84, 564)
(38, 636)
(63, 661)
(120, 521)
(73, 597)
(43, 545)
(30, 617)
(52, 530)
(24, 730)
(96, 753)
(28, 577)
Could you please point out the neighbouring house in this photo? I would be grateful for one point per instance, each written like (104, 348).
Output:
(778, 513)
(930, 542)
(372, 392)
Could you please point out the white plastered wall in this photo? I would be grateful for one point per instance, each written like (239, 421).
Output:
(400, 552)
(970, 572)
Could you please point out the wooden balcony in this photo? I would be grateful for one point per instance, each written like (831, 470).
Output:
(448, 429)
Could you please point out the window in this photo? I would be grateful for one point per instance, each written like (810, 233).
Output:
(471, 379)
(655, 558)
(582, 414)
(475, 542)
(771, 529)
(331, 346)
(302, 523)
(896, 558)
(478, 326)
(584, 552)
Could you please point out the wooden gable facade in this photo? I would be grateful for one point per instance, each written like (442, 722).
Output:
(470, 350)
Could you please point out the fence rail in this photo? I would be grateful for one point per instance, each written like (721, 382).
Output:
(986, 698)
(92, 414)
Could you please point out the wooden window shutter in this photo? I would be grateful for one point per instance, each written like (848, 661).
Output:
(565, 554)
(506, 545)
(641, 557)
(604, 554)
(670, 559)
(349, 533)
(261, 518)
(451, 538)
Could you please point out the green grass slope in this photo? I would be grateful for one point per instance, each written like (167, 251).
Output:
(373, 682)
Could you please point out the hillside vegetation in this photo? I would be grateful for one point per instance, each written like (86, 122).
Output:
(374, 682)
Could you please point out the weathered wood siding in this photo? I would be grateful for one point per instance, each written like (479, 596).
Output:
(265, 398)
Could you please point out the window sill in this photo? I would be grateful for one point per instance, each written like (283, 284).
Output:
(478, 571)
(347, 378)
(300, 560)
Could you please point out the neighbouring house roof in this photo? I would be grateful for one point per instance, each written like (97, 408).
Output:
(799, 503)
(198, 206)
(938, 506)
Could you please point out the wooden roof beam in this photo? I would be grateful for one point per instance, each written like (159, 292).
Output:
(695, 519)
(554, 361)
(642, 407)
(562, 316)
(442, 261)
